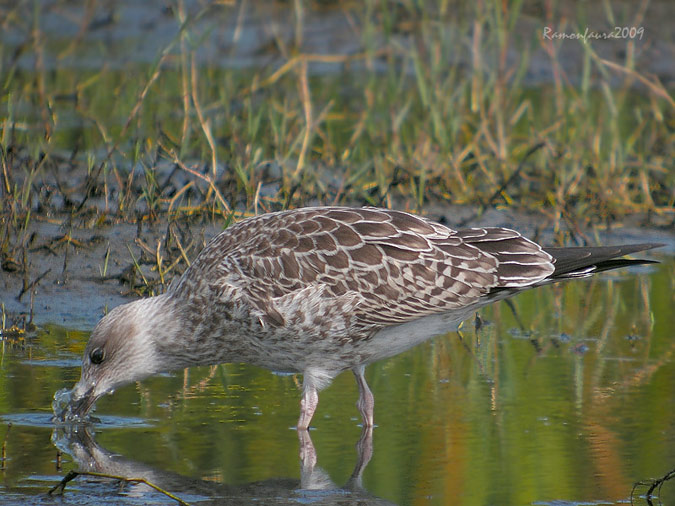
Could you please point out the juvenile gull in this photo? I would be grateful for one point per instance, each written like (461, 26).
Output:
(319, 291)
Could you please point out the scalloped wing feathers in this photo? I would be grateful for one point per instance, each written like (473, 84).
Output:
(401, 266)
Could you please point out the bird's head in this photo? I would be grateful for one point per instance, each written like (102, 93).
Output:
(122, 349)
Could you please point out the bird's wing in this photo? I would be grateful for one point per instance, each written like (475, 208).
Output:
(402, 266)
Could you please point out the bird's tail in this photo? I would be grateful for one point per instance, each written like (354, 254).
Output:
(582, 261)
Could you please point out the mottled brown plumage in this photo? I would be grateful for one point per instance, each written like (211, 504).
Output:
(320, 291)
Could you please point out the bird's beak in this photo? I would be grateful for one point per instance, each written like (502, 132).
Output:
(81, 403)
(74, 405)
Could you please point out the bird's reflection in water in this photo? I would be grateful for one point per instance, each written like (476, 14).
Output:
(315, 478)
(314, 485)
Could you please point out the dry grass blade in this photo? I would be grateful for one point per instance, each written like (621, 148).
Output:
(205, 125)
(208, 179)
(306, 99)
(29, 286)
(655, 85)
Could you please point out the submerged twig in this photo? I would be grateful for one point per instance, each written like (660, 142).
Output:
(59, 489)
(653, 485)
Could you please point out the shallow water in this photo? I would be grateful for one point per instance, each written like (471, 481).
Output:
(568, 400)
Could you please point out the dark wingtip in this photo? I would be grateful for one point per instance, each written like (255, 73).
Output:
(569, 261)
(627, 249)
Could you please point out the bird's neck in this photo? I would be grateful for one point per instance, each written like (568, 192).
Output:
(163, 327)
(185, 331)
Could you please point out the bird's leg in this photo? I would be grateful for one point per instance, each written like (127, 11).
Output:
(366, 402)
(308, 404)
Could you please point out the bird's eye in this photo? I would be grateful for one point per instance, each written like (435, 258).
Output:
(96, 356)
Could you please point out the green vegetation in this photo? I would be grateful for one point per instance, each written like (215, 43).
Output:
(404, 119)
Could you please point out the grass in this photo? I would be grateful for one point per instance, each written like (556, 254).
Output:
(402, 121)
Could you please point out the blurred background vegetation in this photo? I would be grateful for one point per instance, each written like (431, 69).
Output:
(123, 111)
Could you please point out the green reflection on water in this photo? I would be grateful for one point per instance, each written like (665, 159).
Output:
(576, 404)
